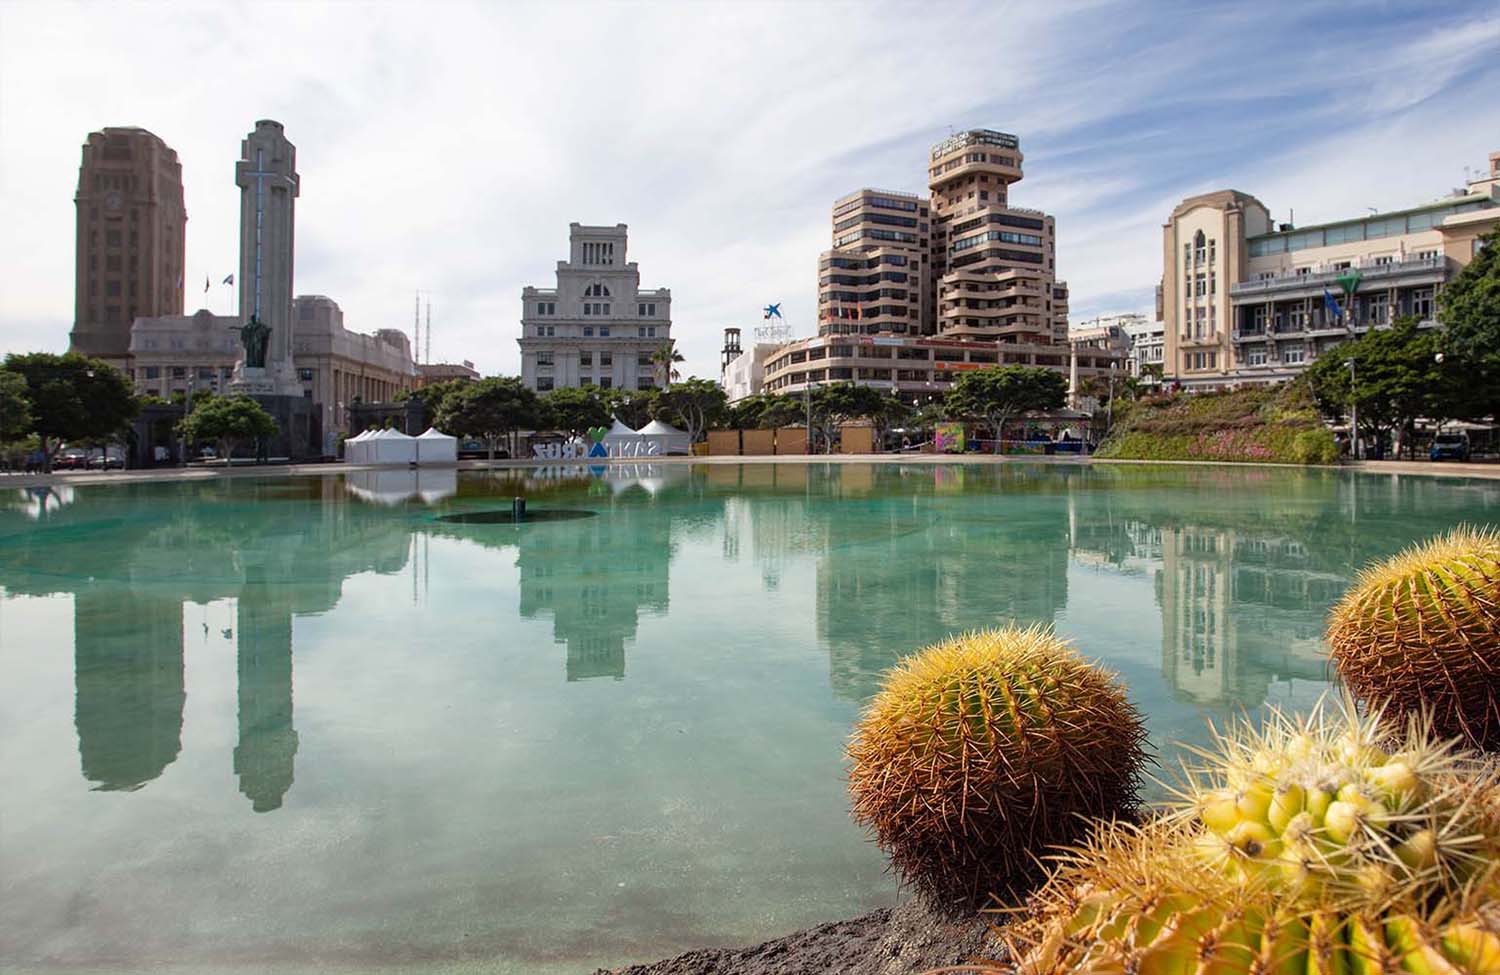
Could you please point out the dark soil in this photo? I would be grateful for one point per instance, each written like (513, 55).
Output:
(904, 941)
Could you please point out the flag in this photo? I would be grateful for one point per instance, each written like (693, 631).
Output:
(205, 284)
(1331, 303)
(228, 280)
(1349, 280)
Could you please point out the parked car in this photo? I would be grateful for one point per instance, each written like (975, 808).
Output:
(1450, 446)
(71, 459)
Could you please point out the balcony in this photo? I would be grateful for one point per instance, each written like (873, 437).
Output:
(1412, 271)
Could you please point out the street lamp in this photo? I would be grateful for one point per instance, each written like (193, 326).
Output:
(1353, 412)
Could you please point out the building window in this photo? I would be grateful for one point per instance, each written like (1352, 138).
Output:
(179, 372)
(644, 382)
(1256, 357)
(606, 359)
(596, 290)
(306, 375)
(153, 372)
(1294, 355)
(544, 358)
(112, 262)
(650, 331)
(605, 382)
(112, 288)
(1421, 303)
(604, 329)
(643, 359)
(543, 384)
(648, 310)
(588, 331)
(546, 308)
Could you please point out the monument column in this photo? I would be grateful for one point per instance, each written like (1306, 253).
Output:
(267, 177)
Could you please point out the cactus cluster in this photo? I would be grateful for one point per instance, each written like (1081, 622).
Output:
(1317, 846)
(1421, 632)
(985, 750)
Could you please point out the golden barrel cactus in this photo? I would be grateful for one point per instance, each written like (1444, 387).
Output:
(985, 750)
(1421, 631)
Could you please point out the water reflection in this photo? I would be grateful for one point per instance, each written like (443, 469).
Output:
(1241, 567)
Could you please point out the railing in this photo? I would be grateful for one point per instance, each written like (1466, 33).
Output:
(1367, 272)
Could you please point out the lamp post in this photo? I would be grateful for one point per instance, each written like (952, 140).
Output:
(1353, 412)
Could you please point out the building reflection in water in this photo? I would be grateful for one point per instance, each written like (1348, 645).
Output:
(267, 748)
(128, 681)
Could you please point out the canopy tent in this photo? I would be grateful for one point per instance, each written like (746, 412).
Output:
(357, 449)
(670, 439)
(436, 447)
(621, 439)
(392, 447)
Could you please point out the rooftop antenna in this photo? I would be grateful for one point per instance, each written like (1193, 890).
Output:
(416, 328)
(427, 353)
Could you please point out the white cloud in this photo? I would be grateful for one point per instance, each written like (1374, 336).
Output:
(447, 147)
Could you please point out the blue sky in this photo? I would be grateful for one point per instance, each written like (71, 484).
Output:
(447, 146)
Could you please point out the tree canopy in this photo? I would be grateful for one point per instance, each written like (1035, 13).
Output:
(996, 394)
(664, 364)
(633, 407)
(490, 409)
(836, 404)
(73, 398)
(227, 421)
(1397, 378)
(15, 407)
(575, 409)
(695, 405)
(765, 411)
(1469, 310)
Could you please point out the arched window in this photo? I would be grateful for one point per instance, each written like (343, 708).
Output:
(596, 291)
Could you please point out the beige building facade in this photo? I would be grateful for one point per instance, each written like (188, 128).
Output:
(989, 295)
(429, 373)
(131, 238)
(597, 326)
(874, 281)
(176, 353)
(1245, 300)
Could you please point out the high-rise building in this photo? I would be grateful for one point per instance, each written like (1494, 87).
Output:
(596, 327)
(918, 290)
(994, 264)
(132, 231)
(1247, 300)
(874, 281)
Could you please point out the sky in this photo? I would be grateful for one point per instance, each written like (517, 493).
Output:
(446, 146)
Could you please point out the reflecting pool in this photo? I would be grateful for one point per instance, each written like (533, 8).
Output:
(287, 724)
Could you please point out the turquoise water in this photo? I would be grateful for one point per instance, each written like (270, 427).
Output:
(304, 723)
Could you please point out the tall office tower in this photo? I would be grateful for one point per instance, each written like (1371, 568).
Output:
(132, 232)
(874, 280)
(992, 263)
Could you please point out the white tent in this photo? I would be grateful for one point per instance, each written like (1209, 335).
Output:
(436, 485)
(392, 447)
(621, 441)
(436, 447)
(357, 449)
(671, 439)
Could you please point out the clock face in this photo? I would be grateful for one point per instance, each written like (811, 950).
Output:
(113, 200)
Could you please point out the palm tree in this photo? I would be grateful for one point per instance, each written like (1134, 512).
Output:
(662, 362)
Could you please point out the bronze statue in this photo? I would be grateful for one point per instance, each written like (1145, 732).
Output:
(255, 336)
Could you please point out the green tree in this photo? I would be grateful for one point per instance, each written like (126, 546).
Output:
(764, 411)
(227, 421)
(72, 397)
(575, 409)
(994, 395)
(15, 407)
(836, 404)
(1469, 310)
(695, 405)
(633, 407)
(491, 409)
(664, 364)
(1397, 378)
